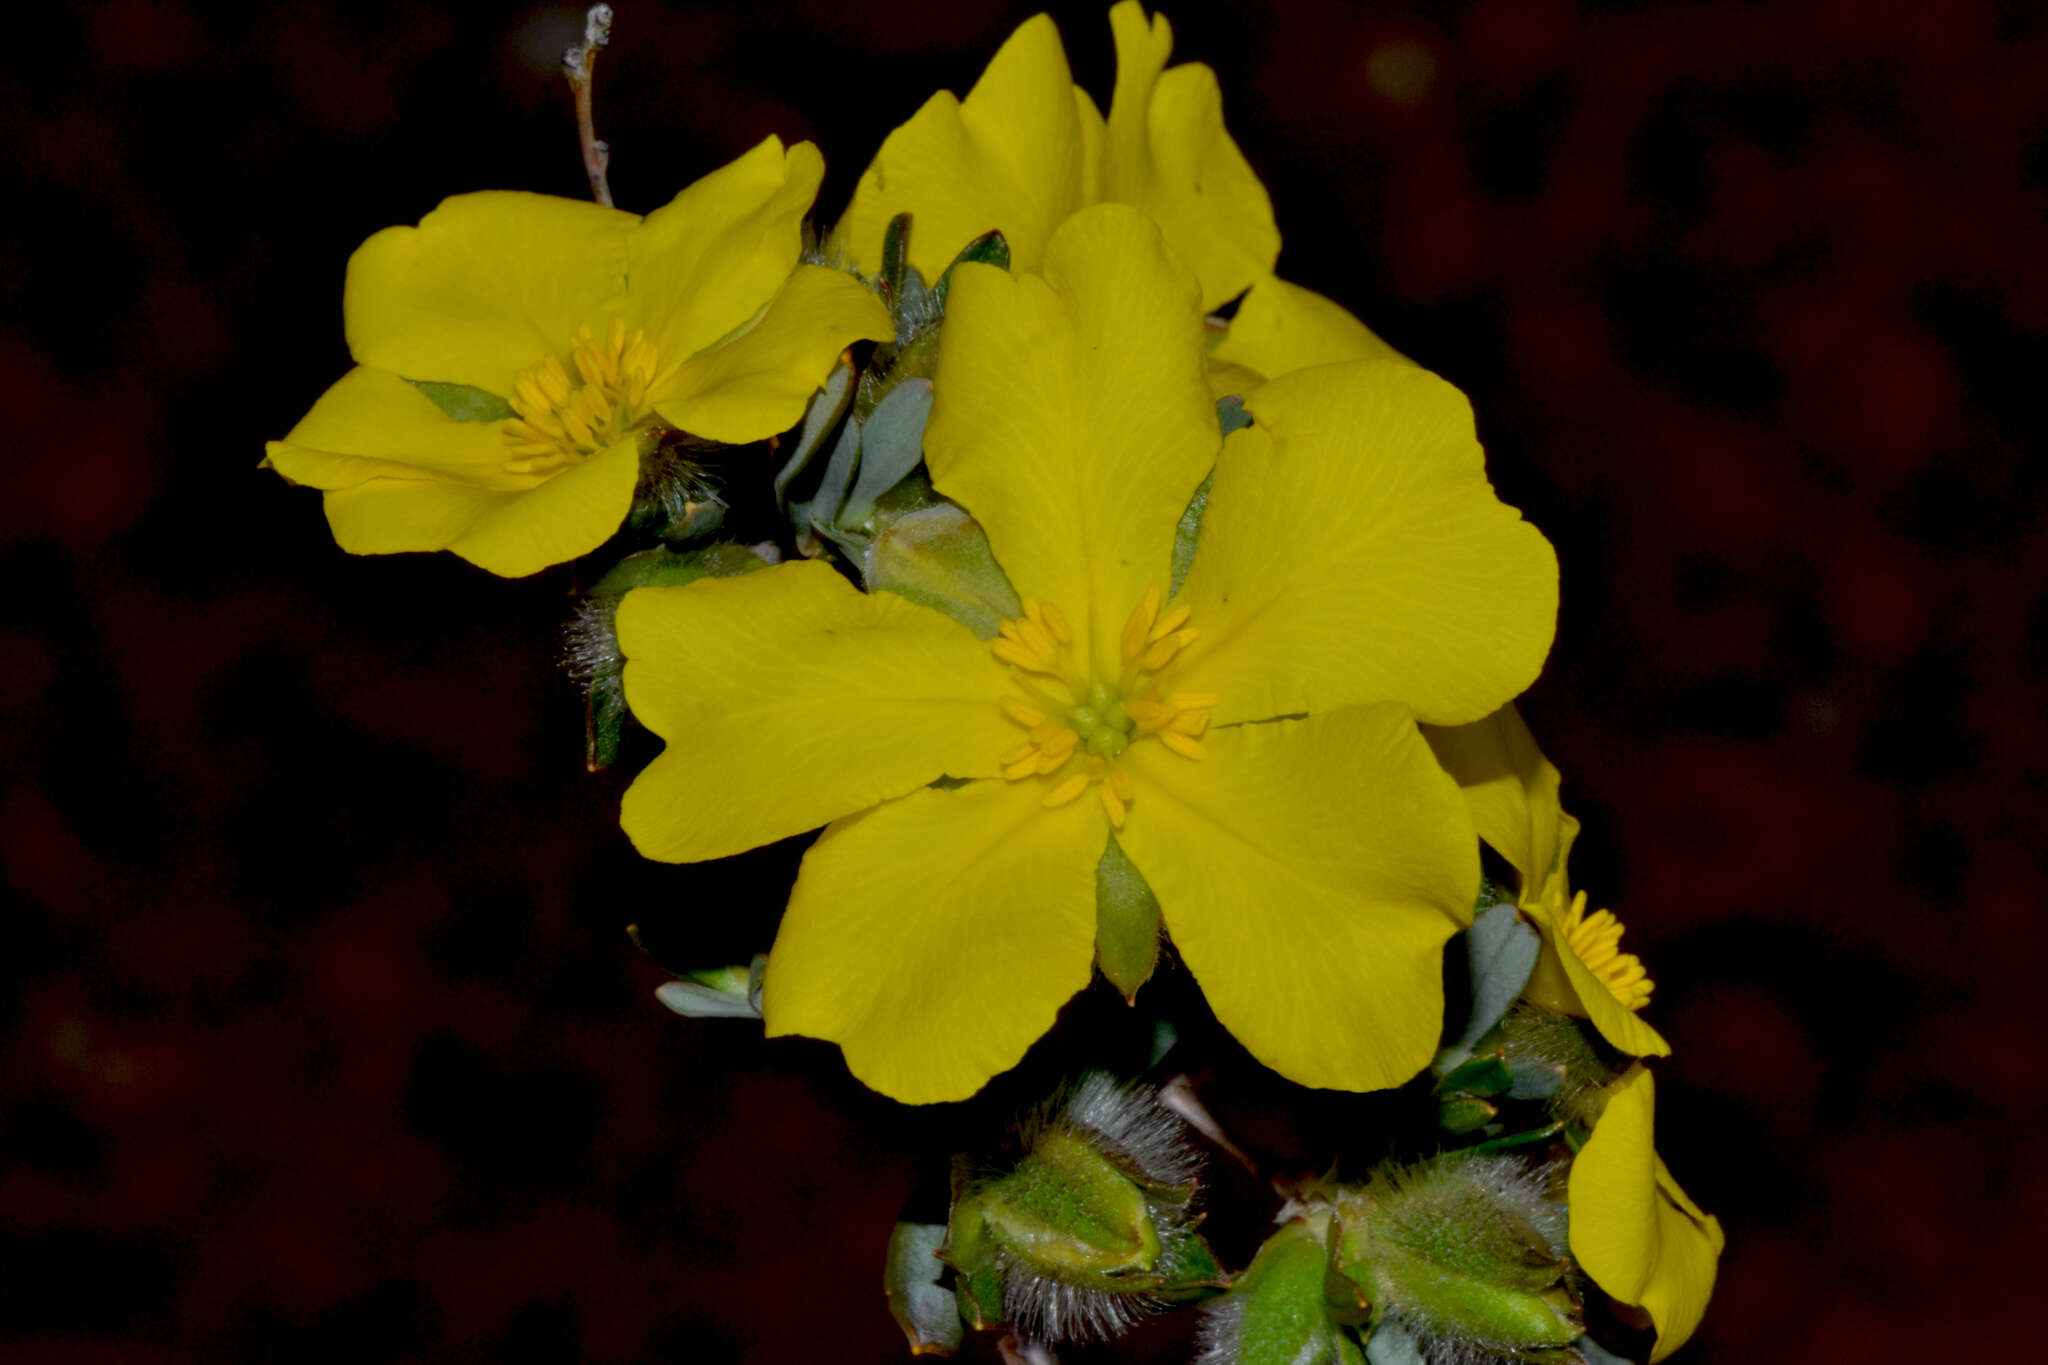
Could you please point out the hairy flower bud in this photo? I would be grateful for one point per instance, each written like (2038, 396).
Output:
(1466, 1255)
(1090, 1228)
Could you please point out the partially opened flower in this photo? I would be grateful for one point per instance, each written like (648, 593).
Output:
(1633, 1229)
(1250, 744)
(1027, 148)
(1512, 791)
(1639, 1235)
(515, 353)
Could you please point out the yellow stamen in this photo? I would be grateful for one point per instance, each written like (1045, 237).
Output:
(1023, 712)
(1120, 782)
(1112, 805)
(1066, 791)
(1596, 941)
(1182, 745)
(1017, 754)
(1171, 622)
(574, 410)
(1056, 622)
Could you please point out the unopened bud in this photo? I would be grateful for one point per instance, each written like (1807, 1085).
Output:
(1090, 1228)
(938, 557)
(716, 992)
(1464, 1254)
(1278, 1310)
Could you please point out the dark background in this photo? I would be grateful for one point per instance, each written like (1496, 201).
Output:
(321, 1037)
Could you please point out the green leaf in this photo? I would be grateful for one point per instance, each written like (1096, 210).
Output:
(1500, 952)
(891, 445)
(464, 403)
(1190, 1271)
(895, 255)
(604, 723)
(1482, 1076)
(1276, 1314)
(1126, 922)
(828, 405)
(1465, 1114)
(928, 1314)
(1186, 535)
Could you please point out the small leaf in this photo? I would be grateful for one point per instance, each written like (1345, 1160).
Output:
(828, 405)
(838, 479)
(464, 403)
(928, 1314)
(1230, 414)
(1190, 1271)
(891, 444)
(1483, 1076)
(1126, 922)
(1465, 1114)
(988, 249)
(1501, 951)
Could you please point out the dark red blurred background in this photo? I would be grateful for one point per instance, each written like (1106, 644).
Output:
(322, 1040)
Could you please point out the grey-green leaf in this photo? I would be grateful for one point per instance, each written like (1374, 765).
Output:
(1501, 951)
(928, 1315)
(891, 444)
(827, 407)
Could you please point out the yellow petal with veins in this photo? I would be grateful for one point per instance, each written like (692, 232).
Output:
(1309, 873)
(935, 937)
(1632, 1228)
(1281, 327)
(789, 698)
(1354, 552)
(1072, 420)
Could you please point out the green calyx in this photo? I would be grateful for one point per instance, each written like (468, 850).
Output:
(1069, 1212)
(1278, 1311)
(1463, 1249)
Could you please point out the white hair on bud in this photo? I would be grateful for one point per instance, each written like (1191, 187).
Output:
(1221, 1338)
(1126, 1123)
(1133, 1124)
(590, 645)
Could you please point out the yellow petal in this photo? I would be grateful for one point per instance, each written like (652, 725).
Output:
(789, 698)
(1281, 327)
(1167, 153)
(1354, 552)
(1632, 1229)
(758, 383)
(1511, 789)
(511, 533)
(1071, 417)
(712, 257)
(1012, 155)
(1310, 873)
(485, 286)
(1226, 378)
(935, 938)
(372, 424)
(1617, 1023)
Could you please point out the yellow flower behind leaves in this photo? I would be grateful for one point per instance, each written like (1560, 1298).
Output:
(1027, 149)
(1251, 742)
(514, 352)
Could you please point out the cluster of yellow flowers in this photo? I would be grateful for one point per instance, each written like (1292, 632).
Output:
(1299, 747)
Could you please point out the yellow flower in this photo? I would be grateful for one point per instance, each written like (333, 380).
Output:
(1511, 789)
(1027, 148)
(1639, 1235)
(1355, 570)
(562, 332)
(1279, 328)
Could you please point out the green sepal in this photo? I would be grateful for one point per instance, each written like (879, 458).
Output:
(1189, 1271)
(895, 254)
(988, 249)
(1068, 1211)
(928, 1314)
(465, 403)
(604, 725)
(1465, 1114)
(938, 556)
(977, 1270)
(1126, 922)
(1510, 1142)
(665, 568)
(1277, 1312)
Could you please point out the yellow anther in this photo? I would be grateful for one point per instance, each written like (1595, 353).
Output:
(1062, 743)
(1148, 714)
(1045, 730)
(615, 338)
(1139, 626)
(1038, 638)
(1112, 805)
(1023, 712)
(1066, 791)
(1023, 767)
(1051, 761)
(554, 380)
(1171, 622)
(1021, 752)
(1596, 940)
(1056, 622)
(1192, 701)
(1120, 782)
(1017, 656)
(1182, 745)
(1189, 723)
(572, 409)
(1162, 652)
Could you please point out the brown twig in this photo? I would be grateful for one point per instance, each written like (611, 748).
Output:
(1178, 1095)
(579, 63)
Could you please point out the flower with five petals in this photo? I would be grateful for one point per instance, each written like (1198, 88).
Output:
(515, 352)
(1249, 743)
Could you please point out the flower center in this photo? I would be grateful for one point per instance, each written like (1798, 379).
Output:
(561, 422)
(1596, 940)
(1077, 726)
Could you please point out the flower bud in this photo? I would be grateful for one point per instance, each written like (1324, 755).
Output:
(1278, 1310)
(1465, 1255)
(1090, 1228)
(939, 558)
